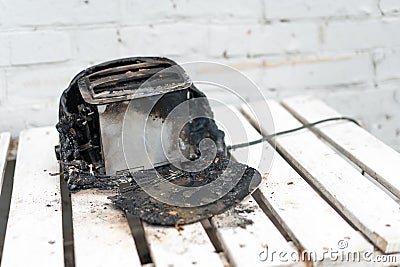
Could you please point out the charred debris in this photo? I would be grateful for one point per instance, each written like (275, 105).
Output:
(83, 148)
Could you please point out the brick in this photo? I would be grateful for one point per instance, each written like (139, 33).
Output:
(154, 11)
(280, 38)
(252, 68)
(14, 118)
(378, 110)
(32, 85)
(39, 47)
(361, 35)
(389, 7)
(387, 66)
(95, 45)
(237, 82)
(174, 40)
(303, 73)
(295, 9)
(3, 88)
(50, 12)
(1, 15)
(4, 50)
(233, 77)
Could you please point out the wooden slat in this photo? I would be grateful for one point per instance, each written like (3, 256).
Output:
(188, 247)
(102, 236)
(369, 208)
(373, 156)
(34, 229)
(295, 205)
(245, 231)
(4, 145)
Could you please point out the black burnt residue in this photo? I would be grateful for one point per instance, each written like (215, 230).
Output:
(237, 216)
(134, 200)
(82, 162)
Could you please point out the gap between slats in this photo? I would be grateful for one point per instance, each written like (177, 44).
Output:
(5, 140)
(5, 200)
(68, 230)
(138, 234)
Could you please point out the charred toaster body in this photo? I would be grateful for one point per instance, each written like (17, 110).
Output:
(138, 125)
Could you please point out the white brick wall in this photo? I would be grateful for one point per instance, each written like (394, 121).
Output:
(39, 47)
(4, 50)
(173, 40)
(261, 40)
(319, 72)
(149, 11)
(3, 92)
(388, 7)
(286, 47)
(387, 66)
(51, 13)
(359, 35)
(95, 45)
(297, 9)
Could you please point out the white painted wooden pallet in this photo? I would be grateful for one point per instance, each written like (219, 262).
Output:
(311, 200)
